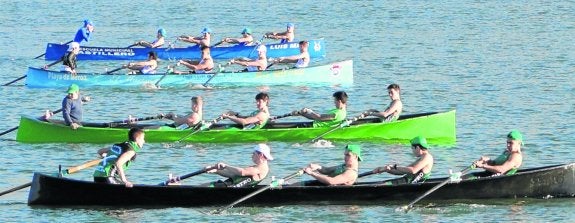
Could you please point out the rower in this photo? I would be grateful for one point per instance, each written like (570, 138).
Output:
(416, 172)
(160, 38)
(203, 40)
(259, 64)
(345, 174)
(191, 119)
(205, 65)
(393, 111)
(332, 117)
(84, 32)
(509, 161)
(258, 118)
(286, 36)
(301, 60)
(247, 176)
(246, 40)
(144, 67)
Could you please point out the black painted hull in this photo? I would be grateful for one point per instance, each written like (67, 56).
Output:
(555, 181)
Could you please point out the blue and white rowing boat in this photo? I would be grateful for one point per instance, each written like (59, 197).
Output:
(340, 73)
(55, 51)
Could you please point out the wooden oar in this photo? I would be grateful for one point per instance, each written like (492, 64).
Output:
(84, 99)
(67, 171)
(45, 53)
(180, 178)
(275, 183)
(201, 127)
(410, 205)
(345, 123)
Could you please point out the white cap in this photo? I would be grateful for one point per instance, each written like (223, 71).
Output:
(264, 149)
(262, 48)
(73, 45)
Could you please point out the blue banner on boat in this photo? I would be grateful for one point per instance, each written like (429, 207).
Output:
(55, 51)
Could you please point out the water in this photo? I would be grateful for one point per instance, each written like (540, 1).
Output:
(503, 65)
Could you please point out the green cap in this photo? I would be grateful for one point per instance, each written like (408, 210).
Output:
(515, 135)
(73, 88)
(419, 140)
(355, 149)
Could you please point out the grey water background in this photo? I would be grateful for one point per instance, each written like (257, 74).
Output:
(502, 64)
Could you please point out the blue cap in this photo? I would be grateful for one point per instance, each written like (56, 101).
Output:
(162, 32)
(290, 25)
(88, 22)
(206, 30)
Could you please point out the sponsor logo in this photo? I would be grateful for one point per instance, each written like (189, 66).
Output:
(335, 69)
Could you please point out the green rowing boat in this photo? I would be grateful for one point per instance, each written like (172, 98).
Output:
(437, 127)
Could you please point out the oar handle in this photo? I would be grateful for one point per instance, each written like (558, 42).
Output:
(202, 127)
(92, 163)
(137, 119)
(285, 115)
(365, 174)
(114, 70)
(344, 123)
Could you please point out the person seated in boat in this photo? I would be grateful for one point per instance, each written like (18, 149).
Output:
(416, 172)
(247, 176)
(116, 159)
(205, 65)
(345, 174)
(392, 112)
(84, 32)
(69, 59)
(301, 60)
(246, 40)
(203, 40)
(286, 36)
(332, 117)
(191, 119)
(71, 108)
(259, 64)
(509, 161)
(258, 118)
(144, 67)
(160, 39)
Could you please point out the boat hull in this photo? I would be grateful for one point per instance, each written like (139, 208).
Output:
(55, 51)
(338, 73)
(438, 128)
(545, 182)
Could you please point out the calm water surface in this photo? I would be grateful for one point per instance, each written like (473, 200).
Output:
(503, 65)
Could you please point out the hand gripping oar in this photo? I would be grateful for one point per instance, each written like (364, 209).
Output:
(180, 178)
(84, 99)
(201, 127)
(273, 184)
(345, 123)
(67, 171)
(45, 53)
(410, 205)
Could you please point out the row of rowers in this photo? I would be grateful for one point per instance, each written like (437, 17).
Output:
(116, 159)
(206, 63)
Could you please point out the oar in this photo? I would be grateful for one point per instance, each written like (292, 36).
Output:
(45, 53)
(67, 171)
(201, 127)
(114, 70)
(410, 205)
(218, 43)
(12, 129)
(157, 84)
(22, 77)
(180, 178)
(111, 124)
(84, 99)
(275, 183)
(221, 69)
(342, 125)
(284, 115)
(257, 45)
